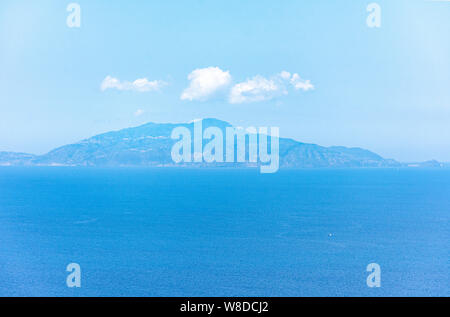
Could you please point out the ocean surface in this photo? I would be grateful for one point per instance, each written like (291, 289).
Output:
(224, 232)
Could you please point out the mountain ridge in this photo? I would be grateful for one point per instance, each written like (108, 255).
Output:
(150, 144)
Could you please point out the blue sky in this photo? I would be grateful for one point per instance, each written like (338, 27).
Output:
(385, 89)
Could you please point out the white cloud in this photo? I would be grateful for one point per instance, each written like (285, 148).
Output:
(139, 112)
(205, 82)
(285, 75)
(256, 89)
(300, 83)
(140, 85)
(260, 88)
(295, 80)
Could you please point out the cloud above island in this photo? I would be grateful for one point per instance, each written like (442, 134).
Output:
(205, 82)
(139, 112)
(256, 89)
(210, 82)
(139, 85)
(260, 88)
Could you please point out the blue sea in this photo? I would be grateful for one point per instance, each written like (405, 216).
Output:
(224, 232)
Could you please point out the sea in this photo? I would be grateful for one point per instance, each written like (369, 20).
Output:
(224, 232)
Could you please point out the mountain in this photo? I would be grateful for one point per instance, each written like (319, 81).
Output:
(150, 145)
(12, 158)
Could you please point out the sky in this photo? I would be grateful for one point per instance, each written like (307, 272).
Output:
(315, 69)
